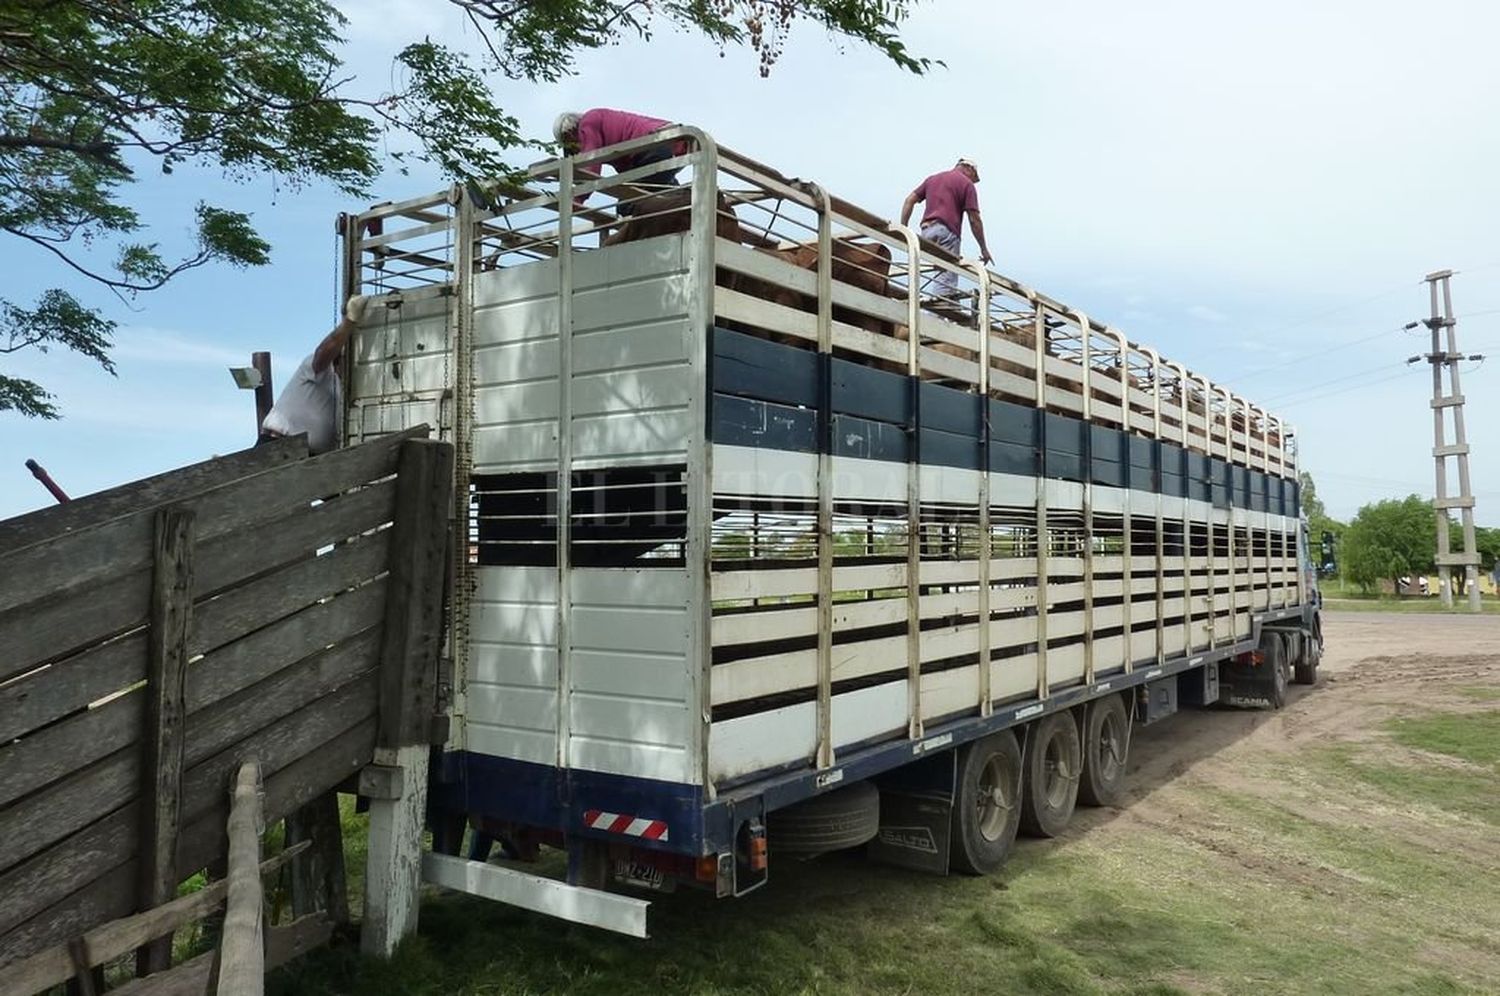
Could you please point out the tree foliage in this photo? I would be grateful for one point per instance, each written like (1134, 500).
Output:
(1389, 539)
(96, 94)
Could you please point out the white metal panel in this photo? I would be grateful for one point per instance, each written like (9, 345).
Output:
(1108, 499)
(948, 692)
(946, 484)
(869, 713)
(1064, 664)
(871, 480)
(510, 691)
(655, 344)
(1012, 489)
(1063, 495)
(629, 702)
(624, 438)
(516, 363)
(1012, 677)
(762, 740)
(746, 470)
(621, 914)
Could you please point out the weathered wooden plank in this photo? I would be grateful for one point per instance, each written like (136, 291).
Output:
(113, 939)
(147, 493)
(313, 749)
(51, 693)
(318, 880)
(243, 610)
(414, 616)
(264, 652)
(242, 969)
(166, 719)
(36, 822)
(65, 806)
(38, 759)
(192, 977)
(44, 630)
(119, 546)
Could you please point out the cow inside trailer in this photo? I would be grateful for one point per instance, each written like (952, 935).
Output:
(767, 544)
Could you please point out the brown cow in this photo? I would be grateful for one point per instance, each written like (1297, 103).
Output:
(858, 264)
(669, 213)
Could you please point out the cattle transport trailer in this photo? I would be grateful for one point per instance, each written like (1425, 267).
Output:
(775, 545)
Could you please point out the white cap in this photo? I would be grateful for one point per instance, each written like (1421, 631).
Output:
(972, 165)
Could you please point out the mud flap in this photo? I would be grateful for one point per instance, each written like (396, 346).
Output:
(916, 812)
(913, 832)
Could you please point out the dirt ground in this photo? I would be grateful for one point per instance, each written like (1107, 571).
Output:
(1348, 843)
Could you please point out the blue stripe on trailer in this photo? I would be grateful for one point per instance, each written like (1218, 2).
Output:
(542, 795)
(767, 395)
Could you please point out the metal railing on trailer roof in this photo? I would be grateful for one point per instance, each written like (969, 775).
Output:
(989, 332)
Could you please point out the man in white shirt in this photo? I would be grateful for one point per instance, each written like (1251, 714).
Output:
(310, 401)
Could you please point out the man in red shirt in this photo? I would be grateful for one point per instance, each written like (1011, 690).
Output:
(602, 127)
(949, 196)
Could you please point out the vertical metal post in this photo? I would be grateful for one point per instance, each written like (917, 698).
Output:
(1043, 530)
(1185, 435)
(1088, 499)
(564, 454)
(265, 395)
(699, 551)
(1161, 611)
(985, 697)
(825, 477)
(1446, 354)
(1127, 522)
(913, 482)
(461, 368)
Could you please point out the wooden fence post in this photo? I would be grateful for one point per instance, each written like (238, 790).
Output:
(317, 878)
(242, 970)
(166, 719)
(408, 691)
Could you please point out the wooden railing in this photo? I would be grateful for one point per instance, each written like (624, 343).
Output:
(154, 637)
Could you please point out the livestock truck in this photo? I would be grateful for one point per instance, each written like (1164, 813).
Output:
(770, 543)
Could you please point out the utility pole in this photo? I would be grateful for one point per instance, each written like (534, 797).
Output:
(1440, 358)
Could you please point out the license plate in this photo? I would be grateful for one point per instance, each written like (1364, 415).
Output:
(643, 875)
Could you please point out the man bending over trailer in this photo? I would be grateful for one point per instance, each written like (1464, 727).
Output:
(601, 127)
(310, 401)
(948, 197)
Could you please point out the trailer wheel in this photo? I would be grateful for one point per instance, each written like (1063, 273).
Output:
(1053, 763)
(1273, 652)
(848, 817)
(1106, 742)
(1305, 672)
(987, 809)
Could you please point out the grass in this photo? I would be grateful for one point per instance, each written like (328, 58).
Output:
(1473, 737)
(1345, 597)
(1304, 874)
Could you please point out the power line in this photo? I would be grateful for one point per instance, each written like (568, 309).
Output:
(1295, 360)
(1380, 368)
(1346, 390)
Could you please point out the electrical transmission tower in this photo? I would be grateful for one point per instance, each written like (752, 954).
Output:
(1448, 358)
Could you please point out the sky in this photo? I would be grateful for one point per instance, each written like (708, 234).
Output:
(1257, 192)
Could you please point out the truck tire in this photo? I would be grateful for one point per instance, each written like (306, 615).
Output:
(1274, 666)
(1050, 789)
(1106, 744)
(1305, 671)
(848, 817)
(987, 806)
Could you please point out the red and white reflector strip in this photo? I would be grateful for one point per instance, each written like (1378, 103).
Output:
(630, 826)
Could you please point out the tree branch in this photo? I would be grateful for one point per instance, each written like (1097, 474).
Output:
(126, 285)
(103, 151)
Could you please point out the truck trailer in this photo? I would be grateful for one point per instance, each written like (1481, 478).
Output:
(771, 542)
